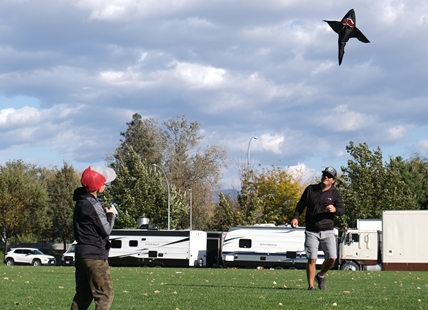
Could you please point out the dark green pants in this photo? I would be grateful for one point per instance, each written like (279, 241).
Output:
(93, 282)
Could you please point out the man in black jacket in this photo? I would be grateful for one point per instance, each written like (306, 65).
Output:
(92, 226)
(323, 202)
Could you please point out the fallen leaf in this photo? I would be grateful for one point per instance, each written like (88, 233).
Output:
(334, 304)
(157, 292)
(60, 286)
(274, 282)
(280, 304)
(347, 292)
(175, 292)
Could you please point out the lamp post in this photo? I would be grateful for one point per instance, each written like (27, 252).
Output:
(248, 153)
(169, 199)
(190, 190)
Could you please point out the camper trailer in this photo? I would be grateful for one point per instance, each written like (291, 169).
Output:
(163, 248)
(267, 246)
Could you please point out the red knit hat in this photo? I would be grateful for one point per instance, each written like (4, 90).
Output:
(94, 177)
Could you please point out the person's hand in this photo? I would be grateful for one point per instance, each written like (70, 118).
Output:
(294, 223)
(331, 209)
(111, 210)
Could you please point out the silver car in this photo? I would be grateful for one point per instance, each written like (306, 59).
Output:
(28, 256)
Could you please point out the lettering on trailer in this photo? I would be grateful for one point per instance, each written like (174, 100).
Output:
(268, 244)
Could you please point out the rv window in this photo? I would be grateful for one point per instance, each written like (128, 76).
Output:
(116, 244)
(133, 243)
(245, 243)
(355, 237)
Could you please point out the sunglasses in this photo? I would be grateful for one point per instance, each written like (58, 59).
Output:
(327, 175)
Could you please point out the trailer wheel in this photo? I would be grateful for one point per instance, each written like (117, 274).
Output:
(350, 266)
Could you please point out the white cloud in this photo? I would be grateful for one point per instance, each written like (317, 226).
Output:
(423, 148)
(270, 143)
(343, 119)
(10, 117)
(112, 76)
(199, 22)
(118, 10)
(396, 132)
(198, 76)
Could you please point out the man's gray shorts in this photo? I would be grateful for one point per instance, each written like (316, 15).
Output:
(323, 240)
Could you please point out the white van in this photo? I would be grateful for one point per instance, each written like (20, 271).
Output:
(67, 258)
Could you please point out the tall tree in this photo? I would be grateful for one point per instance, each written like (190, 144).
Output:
(370, 186)
(61, 184)
(243, 211)
(140, 190)
(224, 214)
(23, 200)
(414, 173)
(175, 147)
(280, 191)
(145, 138)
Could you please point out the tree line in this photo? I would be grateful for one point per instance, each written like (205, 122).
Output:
(165, 164)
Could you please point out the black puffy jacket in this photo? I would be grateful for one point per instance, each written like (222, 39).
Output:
(92, 226)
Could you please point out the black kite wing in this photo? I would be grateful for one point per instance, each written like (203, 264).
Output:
(346, 29)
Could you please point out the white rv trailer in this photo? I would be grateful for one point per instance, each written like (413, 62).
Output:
(266, 246)
(165, 248)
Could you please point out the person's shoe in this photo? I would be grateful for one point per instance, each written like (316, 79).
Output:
(321, 281)
(311, 288)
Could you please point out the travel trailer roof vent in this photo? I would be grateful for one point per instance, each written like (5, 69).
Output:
(143, 223)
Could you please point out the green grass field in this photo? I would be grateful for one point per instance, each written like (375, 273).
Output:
(28, 287)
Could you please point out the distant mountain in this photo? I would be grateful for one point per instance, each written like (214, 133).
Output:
(232, 192)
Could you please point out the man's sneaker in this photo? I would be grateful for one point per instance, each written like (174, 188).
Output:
(321, 281)
(311, 288)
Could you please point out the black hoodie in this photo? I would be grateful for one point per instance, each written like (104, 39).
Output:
(92, 226)
(316, 201)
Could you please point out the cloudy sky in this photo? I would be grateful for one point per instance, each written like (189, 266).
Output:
(72, 73)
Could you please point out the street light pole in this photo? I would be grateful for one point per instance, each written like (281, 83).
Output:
(190, 190)
(248, 153)
(169, 198)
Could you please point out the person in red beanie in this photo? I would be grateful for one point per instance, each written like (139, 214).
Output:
(92, 226)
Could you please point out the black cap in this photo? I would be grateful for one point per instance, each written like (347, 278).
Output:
(330, 170)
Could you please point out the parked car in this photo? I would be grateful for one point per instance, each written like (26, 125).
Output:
(28, 256)
(67, 258)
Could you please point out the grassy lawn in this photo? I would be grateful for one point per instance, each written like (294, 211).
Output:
(28, 287)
